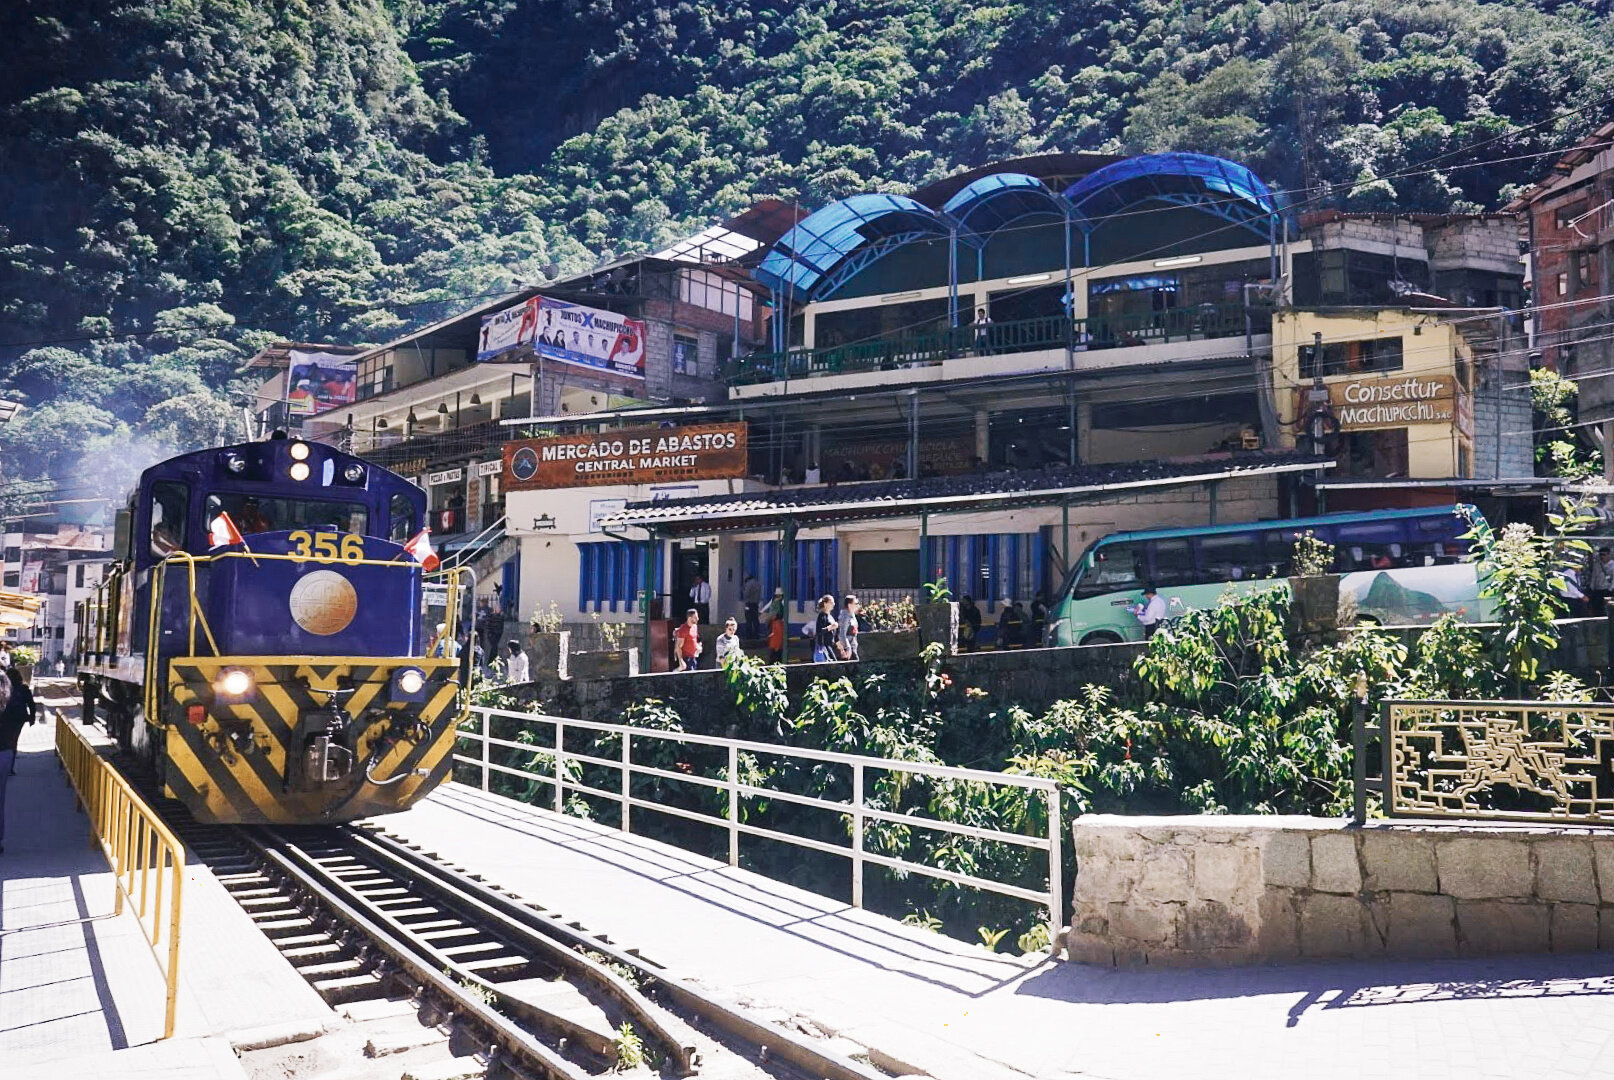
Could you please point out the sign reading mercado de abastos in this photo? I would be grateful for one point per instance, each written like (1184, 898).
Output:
(566, 333)
(1366, 404)
(641, 455)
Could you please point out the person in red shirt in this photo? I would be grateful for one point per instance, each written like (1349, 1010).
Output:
(776, 639)
(687, 641)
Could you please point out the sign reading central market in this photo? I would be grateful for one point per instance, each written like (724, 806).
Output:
(645, 455)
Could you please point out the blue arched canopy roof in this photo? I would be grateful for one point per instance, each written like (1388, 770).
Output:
(822, 242)
(1212, 184)
(991, 202)
(831, 245)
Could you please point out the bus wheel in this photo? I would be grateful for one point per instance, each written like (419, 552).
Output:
(1101, 637)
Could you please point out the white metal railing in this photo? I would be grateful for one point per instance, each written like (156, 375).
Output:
(857, 810)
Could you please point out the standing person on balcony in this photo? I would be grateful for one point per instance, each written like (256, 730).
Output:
(700, 595)
(751, 595)
(983, 331)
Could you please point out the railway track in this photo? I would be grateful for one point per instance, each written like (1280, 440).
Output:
(455, 978)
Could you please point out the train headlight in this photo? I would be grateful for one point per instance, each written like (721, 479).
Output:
(409, 684)
(234, 683)
(353, 473)
(299, 471)
(299, 451)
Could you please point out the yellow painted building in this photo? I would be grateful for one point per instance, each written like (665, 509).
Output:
(1400, 383)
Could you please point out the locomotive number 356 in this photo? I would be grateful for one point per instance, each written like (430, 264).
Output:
(324, 547)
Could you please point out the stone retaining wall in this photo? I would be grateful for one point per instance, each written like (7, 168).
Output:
(1246, 889)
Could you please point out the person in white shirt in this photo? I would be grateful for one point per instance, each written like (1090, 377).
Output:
(700, 597)
(1152, 612)
(516, 669)
(728, 642)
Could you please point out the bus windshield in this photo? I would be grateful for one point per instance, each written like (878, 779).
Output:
(265, 513)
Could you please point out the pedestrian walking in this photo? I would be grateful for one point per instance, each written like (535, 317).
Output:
(700, 595)
(19, 710)
(751, 596)
(824, 631)
(846, 631)
(728, 643)
(687, 641)
(776, 639)
(516, 667)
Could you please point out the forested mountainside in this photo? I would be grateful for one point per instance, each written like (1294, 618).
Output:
(184, 180)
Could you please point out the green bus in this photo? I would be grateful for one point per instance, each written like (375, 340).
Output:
(1399, 566)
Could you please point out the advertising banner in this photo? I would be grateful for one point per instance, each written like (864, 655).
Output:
(317, 382)
(588, 337)
(646, 455)
(564, 333)
(505, 332)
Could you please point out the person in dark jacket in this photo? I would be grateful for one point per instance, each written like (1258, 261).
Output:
(1011, 626)
(969, 625)
(19, 710)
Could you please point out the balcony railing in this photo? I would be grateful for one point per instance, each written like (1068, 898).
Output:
(1024, 335)
(394, 448)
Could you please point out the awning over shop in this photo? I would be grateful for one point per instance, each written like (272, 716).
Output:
(825, 504)
(17, 610)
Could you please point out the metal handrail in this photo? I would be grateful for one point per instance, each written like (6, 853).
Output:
(989, 339)
(144, 855)
(856, 811)
(460, 558)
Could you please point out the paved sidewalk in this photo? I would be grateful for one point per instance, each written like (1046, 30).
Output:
(960, 1013)
(77, 982)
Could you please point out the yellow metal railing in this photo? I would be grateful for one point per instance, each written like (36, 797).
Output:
(148, 861)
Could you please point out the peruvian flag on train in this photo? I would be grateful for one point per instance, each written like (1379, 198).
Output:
(420, 548)
(223, 532)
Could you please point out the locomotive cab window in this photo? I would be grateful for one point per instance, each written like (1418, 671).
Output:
(262, 513)
(169, 502)
(403, 519)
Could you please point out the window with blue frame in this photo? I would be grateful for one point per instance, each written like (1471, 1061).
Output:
(992, 566)
(610, 574)
(812, 572)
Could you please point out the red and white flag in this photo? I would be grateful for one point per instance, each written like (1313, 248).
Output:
(420, 548)
(223, 532)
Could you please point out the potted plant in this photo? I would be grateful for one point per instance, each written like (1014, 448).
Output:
(612, 661)
(550, 644)
(1315, 607)
(24, 658)
(937, 616)
(893, 632)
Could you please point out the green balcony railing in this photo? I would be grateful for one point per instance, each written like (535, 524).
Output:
(996, 339)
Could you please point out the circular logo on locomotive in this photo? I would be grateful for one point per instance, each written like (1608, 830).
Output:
(524, 463)
(323, 602)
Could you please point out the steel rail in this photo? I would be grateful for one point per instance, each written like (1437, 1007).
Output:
(773, 1041)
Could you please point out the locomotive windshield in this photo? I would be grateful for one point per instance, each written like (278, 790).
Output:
(263, 513)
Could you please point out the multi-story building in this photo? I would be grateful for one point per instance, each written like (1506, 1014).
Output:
(47, 565)
(1570, 220)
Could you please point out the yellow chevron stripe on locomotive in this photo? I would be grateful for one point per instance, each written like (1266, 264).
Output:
(272, 740)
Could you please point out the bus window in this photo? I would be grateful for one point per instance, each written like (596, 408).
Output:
(402, 515)
(1174, 563)
(1232, 557)
(1372, 546)
(1115, 567)
(169, 499)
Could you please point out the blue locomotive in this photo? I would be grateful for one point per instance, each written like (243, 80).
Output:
(261, 639)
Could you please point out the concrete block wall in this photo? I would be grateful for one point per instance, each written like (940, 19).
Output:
(1239, 890)
(1481, 243)
(1518, 451)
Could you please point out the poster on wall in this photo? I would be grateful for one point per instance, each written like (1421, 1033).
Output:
(565, 333)
(645, 455)
(317, 382)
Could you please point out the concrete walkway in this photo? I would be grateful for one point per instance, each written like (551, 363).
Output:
(80, 992)
(957, 1012)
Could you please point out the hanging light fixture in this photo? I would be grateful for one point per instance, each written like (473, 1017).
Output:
(476, 399)
(442, 408)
